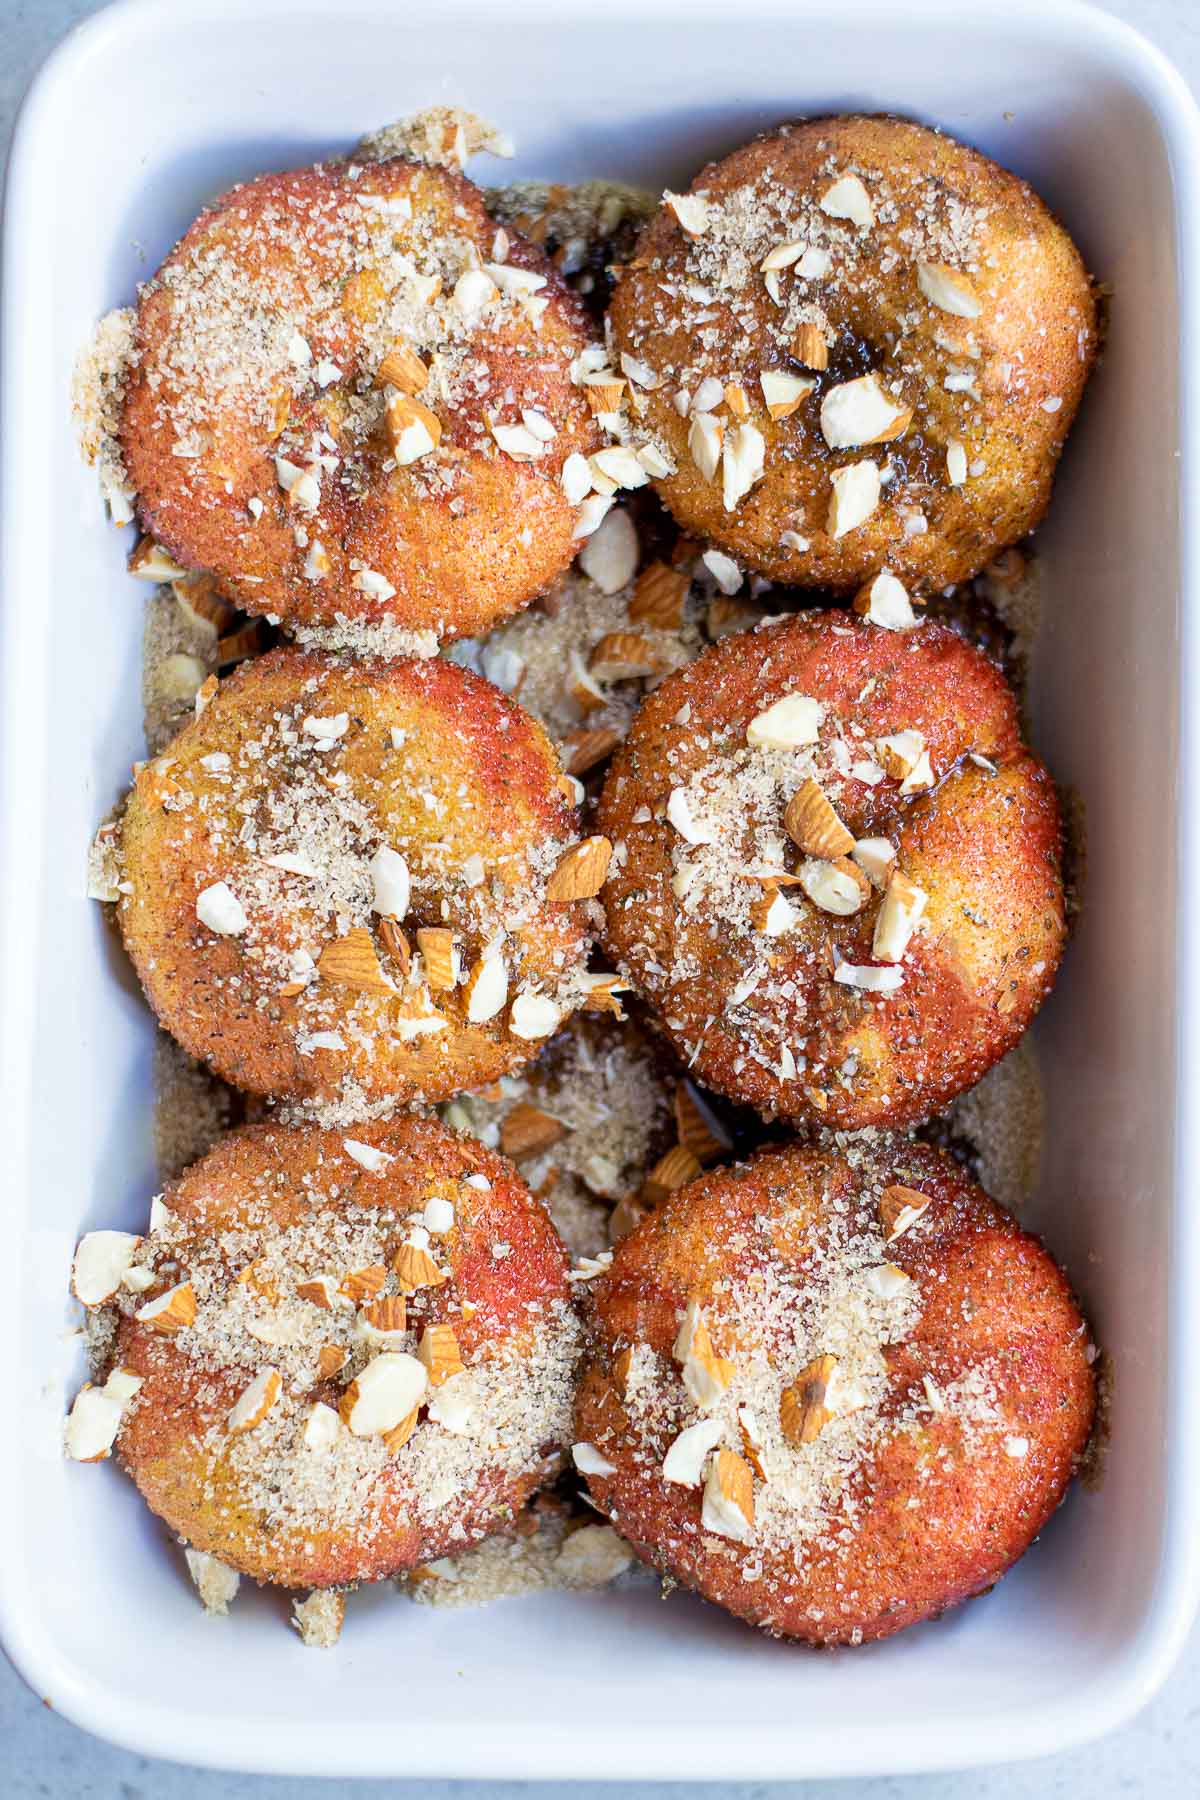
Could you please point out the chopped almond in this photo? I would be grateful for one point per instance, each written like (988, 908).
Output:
(658, 598)
(413, 428)
(415, 1268)
(624, 656)
(900, 1208)
(672, 1171)
(363, 1284)
(255, 1402)
(384, 1393)
(436, 944)
(814, 826)
(395, 944)
(580, 872)
(728, 1504)
(439, 1352)
(388, 1313)
(171, 1311)
(486, 989)
(402, 368)
(902, 906)
(351, 962)
(331, 1358)
(527, 1129)
(803, 1414)
(737, 400)
(600, 991)
(622, 1364)
(586, 749)
(809, 346)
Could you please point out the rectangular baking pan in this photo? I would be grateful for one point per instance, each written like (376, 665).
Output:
(144, 113)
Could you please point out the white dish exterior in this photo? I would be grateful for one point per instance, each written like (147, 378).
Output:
(95, 1609)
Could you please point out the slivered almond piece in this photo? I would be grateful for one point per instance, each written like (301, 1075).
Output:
(672, 1171)
(436, 944)
(690, 210)
(388, 1313)
(622, 1364)
(600, 991)
(383, 1394)
(624, 656)
(486, 990)
(783, 392)
(860, 412)
(415, 1268)
(854, 497)
(658, 597)
(395, 944)
(770, 912)
(901, 908)
(705, 438)
(602, 390)
(728, 1504)
(737, 400)
(583, 689)
(100, 1261)
(363, 1284)
(900, 753)
(402, 368)
(351, 962)
(899, 1208)
(813, 825)
(694, 1126)
(171, 1311)
(413, 427)
(255, 1402)
(527, 1129)
(331, 1358)
(586, 749)
(705, 1374)
(439, 1352)
(152, 563)
(318, 1292)
(948, 290)
(803, 1414)
(752, 1444)
(809, 346)
(848, 199)
(398, 1436)
(580, 871)
(837, 887)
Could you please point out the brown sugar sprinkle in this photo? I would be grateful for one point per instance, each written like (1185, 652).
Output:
(602, 1084)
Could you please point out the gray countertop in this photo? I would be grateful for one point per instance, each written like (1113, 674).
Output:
(1159, 1754)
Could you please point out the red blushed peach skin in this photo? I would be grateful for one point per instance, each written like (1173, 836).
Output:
(242, 1497)
(981, 1410)
(983, 844)
(433, 762)
(1002, 385)
(464, 536)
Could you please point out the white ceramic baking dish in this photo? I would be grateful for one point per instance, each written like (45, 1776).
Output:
(143, 114)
